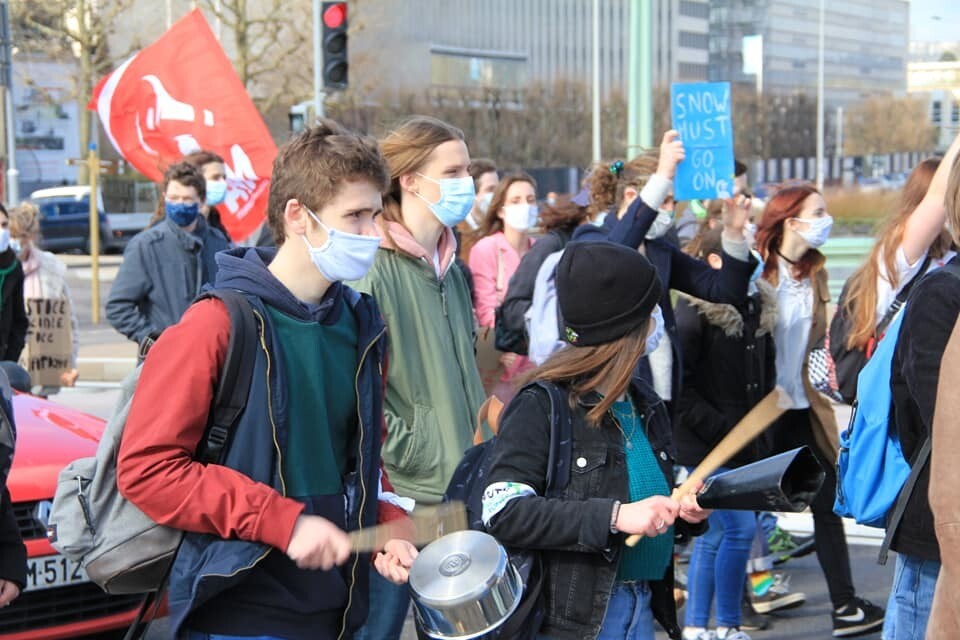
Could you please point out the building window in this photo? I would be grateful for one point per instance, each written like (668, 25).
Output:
(694, 9)
(694, 40)
(935, 116)
(690, 72)
(955, 113)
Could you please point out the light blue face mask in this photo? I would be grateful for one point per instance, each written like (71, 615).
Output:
(759, 270)
(456, 199)
(653, 338)
(216, 192)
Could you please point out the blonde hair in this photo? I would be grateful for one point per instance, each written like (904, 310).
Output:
(585, 368)
(406, 149)
(25, 220)
(952, 200)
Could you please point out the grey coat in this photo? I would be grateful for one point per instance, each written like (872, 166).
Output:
(163, 270)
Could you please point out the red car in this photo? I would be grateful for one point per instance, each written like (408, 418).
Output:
(59, 601)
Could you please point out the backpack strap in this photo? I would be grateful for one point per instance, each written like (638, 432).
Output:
(231, 396)
(901, 505)
(901, 298)
(561, 440)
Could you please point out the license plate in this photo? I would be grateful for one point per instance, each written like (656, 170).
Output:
(50, 572)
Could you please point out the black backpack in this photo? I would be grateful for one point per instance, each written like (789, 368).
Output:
(849, 362)
(468, 484)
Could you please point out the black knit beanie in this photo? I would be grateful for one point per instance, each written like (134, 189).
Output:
(605, 291)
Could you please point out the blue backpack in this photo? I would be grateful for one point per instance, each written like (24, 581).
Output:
(874, 478)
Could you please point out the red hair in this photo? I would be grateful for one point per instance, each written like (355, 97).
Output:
(785, 204)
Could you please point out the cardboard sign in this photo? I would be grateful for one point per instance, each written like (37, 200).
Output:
(701, 113)
(49, 347)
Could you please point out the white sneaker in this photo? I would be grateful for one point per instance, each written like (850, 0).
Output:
(732, 634)
(699, 634)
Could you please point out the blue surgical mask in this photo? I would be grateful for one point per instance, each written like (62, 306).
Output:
(344, 256)
(182, 214)
(653, 338)
(216, 192)
(661, 224)
(818, 232)
(456, 199)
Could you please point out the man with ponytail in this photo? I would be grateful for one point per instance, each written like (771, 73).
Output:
(265, 553)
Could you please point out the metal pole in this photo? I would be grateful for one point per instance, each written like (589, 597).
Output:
(317, 62)
(13, 176)
(640, 80)
(218, 23)
(596, 81)
(839, 132)
(820, 100)
(93, 168)
(169, 13)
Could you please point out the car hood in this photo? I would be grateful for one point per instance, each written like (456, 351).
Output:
(49, 436)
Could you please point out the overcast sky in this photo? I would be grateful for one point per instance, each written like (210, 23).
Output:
(935, 20)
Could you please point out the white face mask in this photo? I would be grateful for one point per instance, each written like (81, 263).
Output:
(484, 203)
(344, 256)
(4, 239)
(661, 225)
(818, 232)
(520, 216)
(653, 338)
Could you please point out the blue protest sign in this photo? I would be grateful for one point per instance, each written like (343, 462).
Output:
(701, 113)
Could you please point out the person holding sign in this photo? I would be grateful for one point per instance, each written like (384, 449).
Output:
(13, 315)
(45, 278)
(639, 196)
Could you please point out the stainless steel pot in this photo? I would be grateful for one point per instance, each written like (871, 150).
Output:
(464, 586)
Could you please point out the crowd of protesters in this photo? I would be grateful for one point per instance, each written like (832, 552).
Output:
(399, 283)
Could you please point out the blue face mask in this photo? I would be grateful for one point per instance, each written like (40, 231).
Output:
(653, 338)
(182, 214)
(456, 199)
(759, 270)
(216, 192)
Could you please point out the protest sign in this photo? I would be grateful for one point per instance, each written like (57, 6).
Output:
(49, 349)
(701, 113)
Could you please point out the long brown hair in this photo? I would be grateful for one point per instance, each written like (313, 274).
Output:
(564, 216)
(785, 204)
(609, 181)
(493, 223)
(585, 368)
(860, 304)
(406, 149)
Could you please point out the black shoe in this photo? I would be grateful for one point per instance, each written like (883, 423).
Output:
(777, 597)
(858, 617)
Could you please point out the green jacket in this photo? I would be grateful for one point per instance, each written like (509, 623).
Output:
(433, 386)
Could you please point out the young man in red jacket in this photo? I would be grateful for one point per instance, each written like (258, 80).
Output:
(265, 554)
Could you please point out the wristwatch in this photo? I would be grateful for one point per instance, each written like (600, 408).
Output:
(613, 517)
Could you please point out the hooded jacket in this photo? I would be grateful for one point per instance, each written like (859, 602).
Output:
(729, 365)
(13, 314)
(163, 270)
(434, 391)
(232, 575)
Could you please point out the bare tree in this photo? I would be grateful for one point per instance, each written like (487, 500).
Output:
(70, 30)
(272, 50)
(885, 124)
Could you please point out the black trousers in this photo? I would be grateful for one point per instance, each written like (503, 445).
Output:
(793, 430)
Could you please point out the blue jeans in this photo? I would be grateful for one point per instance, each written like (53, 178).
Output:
(913, 584)
(629, 616)
(388, 609)
(718, 568)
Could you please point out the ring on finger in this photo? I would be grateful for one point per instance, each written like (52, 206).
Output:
(660, 525)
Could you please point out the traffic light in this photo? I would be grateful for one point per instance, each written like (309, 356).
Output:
(335, 45)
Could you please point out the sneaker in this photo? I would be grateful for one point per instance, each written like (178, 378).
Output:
(777, 597)
(733, 633)
(702, 634)
(750, 620)
(858, 617)
(784, 545)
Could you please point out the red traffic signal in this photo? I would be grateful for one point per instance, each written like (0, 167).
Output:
(335, 15)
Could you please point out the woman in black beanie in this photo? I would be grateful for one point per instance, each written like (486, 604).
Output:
(621, 467)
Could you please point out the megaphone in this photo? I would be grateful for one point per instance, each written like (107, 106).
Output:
(785, 482)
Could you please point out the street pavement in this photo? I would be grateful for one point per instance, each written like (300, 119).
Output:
(106, 356)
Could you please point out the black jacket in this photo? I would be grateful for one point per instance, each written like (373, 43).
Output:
(931, 312)
(729, 365)
(579, 552)
(677, 270)
(13, 555)
(520, 289)
(13, 313)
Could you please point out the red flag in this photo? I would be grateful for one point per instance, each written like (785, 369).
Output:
(179, 95)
